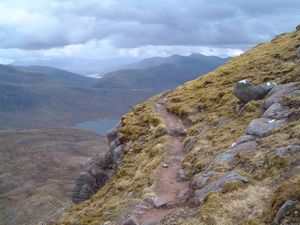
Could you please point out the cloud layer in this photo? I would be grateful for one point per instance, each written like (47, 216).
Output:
(129, 24)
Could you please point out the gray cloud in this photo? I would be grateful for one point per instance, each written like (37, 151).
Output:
(128, 24)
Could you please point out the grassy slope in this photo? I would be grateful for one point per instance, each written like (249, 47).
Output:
(206, 103)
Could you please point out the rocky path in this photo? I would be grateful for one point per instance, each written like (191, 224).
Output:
(167, 186)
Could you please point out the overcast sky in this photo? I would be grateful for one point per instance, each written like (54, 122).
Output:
(142, 28)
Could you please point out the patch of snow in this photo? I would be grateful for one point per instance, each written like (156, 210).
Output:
(271, 121)
(233, 144)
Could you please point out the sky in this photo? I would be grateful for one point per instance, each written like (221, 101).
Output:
(100, 29)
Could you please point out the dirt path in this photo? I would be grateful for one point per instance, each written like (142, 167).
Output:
(167, 185)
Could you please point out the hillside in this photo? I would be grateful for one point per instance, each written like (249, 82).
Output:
(25, 106)
(194, 156)
(63, 76)
(38, 168)
(160, 73)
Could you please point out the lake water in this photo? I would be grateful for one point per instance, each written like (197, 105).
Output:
(98, 126)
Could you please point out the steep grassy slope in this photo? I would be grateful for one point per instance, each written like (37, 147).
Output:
(208, 107)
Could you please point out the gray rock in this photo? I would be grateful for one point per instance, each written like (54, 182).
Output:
(100, 175)
(276, 95)
(283, 210)
(228, 155)
(244, 138)
(288, 149)
(190, 144)
(201, 180)
(183, 196)
(276, 111)
(85, 186)
(104, 160)
(245, 91)
(263, 126)
(180, 176)
(157, 202)
(201, 194)
(117, 155)
(131, 221)
(113, 133)
(177, 131)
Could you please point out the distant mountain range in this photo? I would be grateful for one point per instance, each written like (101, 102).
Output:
(160, 73)
(40, 96)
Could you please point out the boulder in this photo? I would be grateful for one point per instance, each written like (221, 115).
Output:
(283, 210)
(288, 149)
(276, 95)
(131, 221)
(245, 91)
(276, 111)
(263, 126)
(228, 155)
(201, 194)
(201, 180)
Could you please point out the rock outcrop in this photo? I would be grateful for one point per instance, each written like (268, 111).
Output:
(102, 167)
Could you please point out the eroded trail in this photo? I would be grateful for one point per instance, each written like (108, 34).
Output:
(167, 186)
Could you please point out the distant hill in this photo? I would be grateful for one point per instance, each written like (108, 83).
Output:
(9, 74)
(38, 106)
(62, 76)
(160, 73)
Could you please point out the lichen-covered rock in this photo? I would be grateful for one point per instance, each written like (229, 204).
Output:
(183, 196)
(99, 174)
(276, 111)
(288, 149)
(228, 155)
(245, 91)
(263, 126)
(201, 194)
(283, 210)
